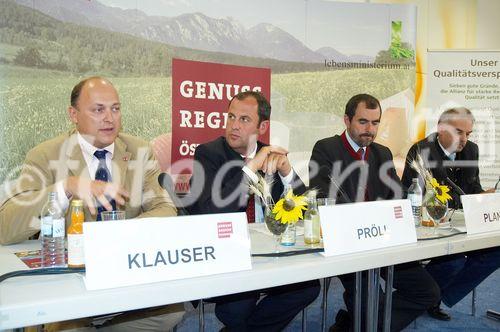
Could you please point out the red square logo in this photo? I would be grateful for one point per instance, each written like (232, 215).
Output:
(398, 212)
(224, 229)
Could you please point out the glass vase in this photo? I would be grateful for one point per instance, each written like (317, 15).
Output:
(289, 235)
(434, 213)
(274, 226)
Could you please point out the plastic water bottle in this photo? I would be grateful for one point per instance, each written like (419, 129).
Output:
(52, 233)
(415, 197)
(288, 237)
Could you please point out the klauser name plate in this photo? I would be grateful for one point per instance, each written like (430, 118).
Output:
(138, 251)
(349, 228)
(481, 212)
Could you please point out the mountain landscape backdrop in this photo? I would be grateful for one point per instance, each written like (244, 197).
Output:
(192, 30)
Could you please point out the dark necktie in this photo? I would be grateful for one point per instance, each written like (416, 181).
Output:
(361, 154)
(102, 174)
(250, 210)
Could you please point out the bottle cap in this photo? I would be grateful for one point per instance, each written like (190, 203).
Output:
(77, 202)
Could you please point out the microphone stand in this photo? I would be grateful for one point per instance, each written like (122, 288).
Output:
(460, 191)
(166, 183)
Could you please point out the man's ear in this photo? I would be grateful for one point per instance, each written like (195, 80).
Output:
(347, 122)
(443, 127)
(263, 126)
(72, 114)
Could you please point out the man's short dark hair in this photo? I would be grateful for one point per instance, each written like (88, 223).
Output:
(456, 112)
(77, 89)
(371, 103)
(264, 108)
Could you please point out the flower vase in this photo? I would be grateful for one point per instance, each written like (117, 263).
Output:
(428, 197)
(435, 211)
(274, 226)
(289, 235)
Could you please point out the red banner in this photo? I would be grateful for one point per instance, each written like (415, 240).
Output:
(201, 92)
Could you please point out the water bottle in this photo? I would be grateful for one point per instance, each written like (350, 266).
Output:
(289, 235)
(52, 233)
(415, 197)
(311, 220)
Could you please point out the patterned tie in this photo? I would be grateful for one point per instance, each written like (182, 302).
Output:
(250, 210)
(361, 154)
(102, 174)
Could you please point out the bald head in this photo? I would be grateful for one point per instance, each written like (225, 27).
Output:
(77, 89)
(95, 111)
(454, 128)
(457, 113)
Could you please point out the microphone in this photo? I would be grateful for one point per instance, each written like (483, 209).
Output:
(343, 193)
(165, 181)
(455, 186)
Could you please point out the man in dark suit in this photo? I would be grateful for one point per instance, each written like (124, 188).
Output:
(223, 170)
(352, 168)
(449, 154)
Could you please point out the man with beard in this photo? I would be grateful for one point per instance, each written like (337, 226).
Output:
(449, 155)
(352, 168)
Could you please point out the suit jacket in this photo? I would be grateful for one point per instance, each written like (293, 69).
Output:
(230, 183)
(133, 167)
(463, 171)
(373, 179)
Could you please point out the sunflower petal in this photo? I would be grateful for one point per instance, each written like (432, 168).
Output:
(278, 206)
(279, 215)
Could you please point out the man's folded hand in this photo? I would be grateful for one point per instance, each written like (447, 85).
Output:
(95, 192)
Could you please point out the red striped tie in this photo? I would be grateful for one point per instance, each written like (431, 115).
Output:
(250, 210)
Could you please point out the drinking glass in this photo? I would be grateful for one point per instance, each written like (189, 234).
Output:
(274, 226)
(112, 215)
(325, 201)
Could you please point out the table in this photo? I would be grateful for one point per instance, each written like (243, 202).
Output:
(26, 301)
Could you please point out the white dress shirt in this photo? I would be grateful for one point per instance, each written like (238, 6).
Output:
(448, 154)
(92, 162)
(354, 145)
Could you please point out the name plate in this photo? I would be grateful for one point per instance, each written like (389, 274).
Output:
(482, 212)
(349, 228)
(138, 251)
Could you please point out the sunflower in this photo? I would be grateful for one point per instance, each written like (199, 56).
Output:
(289, 209)
(441, 191)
